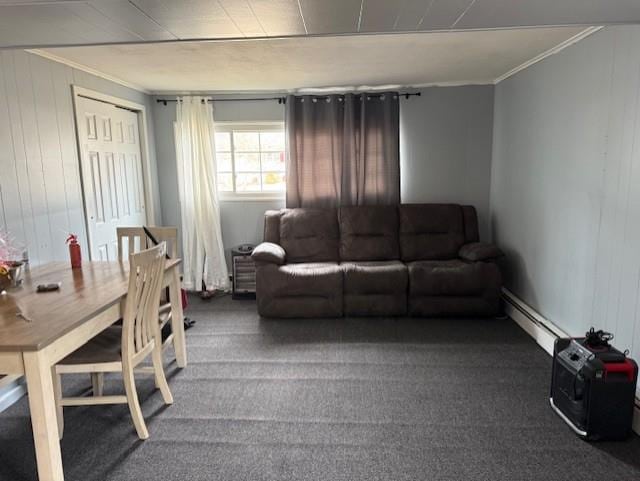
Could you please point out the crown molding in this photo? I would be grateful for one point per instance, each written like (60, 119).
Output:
(552, 51)
(89, 70)
(453, 83)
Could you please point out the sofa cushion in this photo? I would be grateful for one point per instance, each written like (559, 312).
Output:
(430, 231)
(470, 219)
(369, 233)
(309, 235)
(452, 278)
(272, 226)
(480, 251)
(300, 290)
(374, 277)
(305, 278)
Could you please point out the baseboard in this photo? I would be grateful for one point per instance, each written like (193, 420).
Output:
(532, 322)
(12, 388)
(544, 332)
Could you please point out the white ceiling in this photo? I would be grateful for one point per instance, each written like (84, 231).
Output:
(39, 23)
(291, 64)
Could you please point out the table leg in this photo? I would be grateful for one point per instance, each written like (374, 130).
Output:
(43, 416)
(177, 319)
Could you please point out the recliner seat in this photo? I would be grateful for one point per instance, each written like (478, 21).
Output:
(375, 288)
(416, 259)
(307, 289)
(453, 288)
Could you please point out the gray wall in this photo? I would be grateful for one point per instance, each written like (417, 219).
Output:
(445, 147)
(445, 152)
(565, 191)
(40, 193)
(241, 222)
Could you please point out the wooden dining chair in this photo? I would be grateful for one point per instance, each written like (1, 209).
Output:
(134, 239)
(122, 348)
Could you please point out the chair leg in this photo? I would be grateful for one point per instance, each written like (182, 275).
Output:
(134, 403)
(160, 378)
(97, 381)
(57, 392)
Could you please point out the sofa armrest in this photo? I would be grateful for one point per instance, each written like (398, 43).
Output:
(480, 251)
(270, 253)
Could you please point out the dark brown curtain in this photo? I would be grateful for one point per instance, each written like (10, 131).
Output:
(342, 150)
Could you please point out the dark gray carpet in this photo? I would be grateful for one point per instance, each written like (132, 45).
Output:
(346, 399)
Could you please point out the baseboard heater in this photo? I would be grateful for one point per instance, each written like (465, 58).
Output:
(544, 332)
(12, 388)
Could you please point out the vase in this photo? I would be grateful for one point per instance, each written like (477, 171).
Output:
(13, 276)
(5, 282)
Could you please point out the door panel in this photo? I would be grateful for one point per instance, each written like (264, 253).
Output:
(112, 178)
(124, 184)
(96, 187)
(113, 195)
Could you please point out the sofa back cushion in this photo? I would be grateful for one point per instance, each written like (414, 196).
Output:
(309, 235)
(272, 226)
(369, 233)
(430, 231)
(470, 217)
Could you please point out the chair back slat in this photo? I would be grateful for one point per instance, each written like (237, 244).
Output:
(168, 235)
(140, 322)
(135, 239)
(130, 241)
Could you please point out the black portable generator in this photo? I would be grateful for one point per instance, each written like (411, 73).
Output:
(593, 386)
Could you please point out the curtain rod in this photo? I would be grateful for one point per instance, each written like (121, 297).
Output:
(282, 100)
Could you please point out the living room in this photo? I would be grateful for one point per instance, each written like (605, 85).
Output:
(381, 225)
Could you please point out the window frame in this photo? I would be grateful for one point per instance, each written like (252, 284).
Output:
(220, 127)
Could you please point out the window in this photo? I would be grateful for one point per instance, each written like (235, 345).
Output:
(250, 160)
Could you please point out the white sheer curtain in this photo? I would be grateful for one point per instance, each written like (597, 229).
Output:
(203, 252)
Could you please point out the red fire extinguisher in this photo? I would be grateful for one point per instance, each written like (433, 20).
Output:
(74, 251)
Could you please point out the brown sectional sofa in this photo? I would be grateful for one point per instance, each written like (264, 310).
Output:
(415, 259)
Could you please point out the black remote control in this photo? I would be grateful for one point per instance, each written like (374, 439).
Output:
(48, 287)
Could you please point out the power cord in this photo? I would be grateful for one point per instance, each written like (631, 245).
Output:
(597, 339)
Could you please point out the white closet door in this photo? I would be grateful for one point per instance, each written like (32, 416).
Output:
(111, 173)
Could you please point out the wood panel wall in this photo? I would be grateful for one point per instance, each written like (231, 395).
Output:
(40, 190)
(565, 190)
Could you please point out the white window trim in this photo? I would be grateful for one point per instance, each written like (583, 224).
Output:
(249, 196)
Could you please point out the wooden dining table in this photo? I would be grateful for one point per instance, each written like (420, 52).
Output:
(37, 330)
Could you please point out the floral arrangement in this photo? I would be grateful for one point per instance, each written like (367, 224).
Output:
(10, 258)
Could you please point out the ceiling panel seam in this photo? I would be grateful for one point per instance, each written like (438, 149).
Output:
(257, 18)
(304, 23)
(231, 18)
(464, 12)
(134, 5)
(116, 22)
(424, 15)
